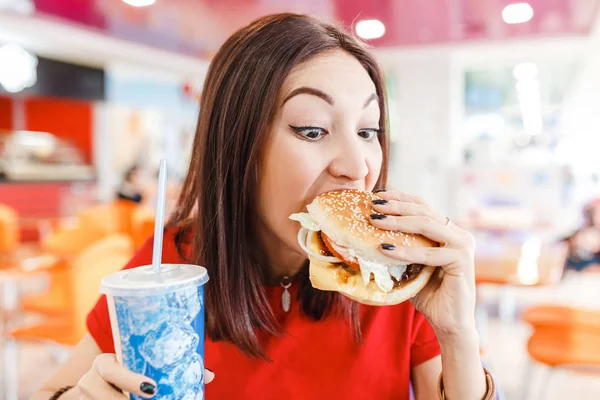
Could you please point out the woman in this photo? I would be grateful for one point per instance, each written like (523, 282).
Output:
(584, 244)
(130, 188)
(293, 107)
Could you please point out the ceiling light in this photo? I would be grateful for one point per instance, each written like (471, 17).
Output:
(18, 68)
(139, 3)
(525, 71)
(517, 13)
(370, 29)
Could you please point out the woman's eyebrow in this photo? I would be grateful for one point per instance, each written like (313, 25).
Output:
(310, 91)
(323, 95)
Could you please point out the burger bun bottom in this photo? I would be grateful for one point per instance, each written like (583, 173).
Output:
(333, 277)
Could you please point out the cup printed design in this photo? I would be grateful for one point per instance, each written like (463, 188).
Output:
(162, 337)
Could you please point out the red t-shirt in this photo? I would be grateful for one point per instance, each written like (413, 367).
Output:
(312, 360)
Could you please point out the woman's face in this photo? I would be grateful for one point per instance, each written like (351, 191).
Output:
(325, 136)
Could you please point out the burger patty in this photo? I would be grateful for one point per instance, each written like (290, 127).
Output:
(409, 274)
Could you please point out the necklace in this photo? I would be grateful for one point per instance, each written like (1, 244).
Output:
(286, 298)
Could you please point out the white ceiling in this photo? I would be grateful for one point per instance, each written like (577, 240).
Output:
(61, 40)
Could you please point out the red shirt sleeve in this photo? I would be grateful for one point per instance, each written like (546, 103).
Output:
(98, 320)
(424, 345)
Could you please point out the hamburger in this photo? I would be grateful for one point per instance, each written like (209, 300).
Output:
(343, 248)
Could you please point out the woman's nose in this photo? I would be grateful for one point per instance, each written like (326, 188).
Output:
(350, 161)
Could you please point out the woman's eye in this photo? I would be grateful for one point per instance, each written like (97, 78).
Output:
(311, 133)
(369, 134)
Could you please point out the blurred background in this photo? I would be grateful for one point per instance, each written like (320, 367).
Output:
(495, 120)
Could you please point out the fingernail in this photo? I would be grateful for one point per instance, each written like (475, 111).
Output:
(387, 246)
(209, 375)
(379, 191)
(148, 388)
(380, 202)
(378, 216)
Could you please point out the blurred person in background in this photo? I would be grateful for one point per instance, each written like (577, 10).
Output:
(293, 107)
(131, 189)
(584, 244)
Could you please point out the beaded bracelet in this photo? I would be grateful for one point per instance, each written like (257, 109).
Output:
(60, 392)
(490, 393)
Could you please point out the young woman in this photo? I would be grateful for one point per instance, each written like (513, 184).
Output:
(130, 187)
(584, 244)
(293, 107)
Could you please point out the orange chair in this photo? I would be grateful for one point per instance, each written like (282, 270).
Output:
(56, 299)
(94, 223)
(563, 337)
(556, 316)
(111, 217)
(83, 277)
(10, 237)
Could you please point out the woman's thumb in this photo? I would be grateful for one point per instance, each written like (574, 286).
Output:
(208, 375)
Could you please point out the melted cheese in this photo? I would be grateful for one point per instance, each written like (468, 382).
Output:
(382, 275)
(397, 272)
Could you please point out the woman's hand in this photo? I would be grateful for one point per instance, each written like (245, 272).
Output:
(107, 380)
(448, 300)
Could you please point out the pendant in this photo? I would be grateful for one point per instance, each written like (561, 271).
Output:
(286, 298)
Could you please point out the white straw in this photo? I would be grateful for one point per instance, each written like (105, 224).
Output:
(160, 217)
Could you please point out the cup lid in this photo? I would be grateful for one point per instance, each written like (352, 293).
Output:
(142, 280)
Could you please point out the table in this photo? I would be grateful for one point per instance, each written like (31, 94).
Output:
(537, 265)
(526, 262)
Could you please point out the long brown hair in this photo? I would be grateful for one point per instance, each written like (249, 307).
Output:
(238, 102)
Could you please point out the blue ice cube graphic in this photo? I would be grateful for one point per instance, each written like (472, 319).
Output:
(162, 337)
(187, 301)
(185, 380)
(168, 344)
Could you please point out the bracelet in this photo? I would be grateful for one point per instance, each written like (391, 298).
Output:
(490, 393)
(60, 392)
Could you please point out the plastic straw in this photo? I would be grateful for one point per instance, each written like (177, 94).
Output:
(160, 217)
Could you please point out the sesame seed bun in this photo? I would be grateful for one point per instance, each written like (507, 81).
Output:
(344, 216)
(347, 233)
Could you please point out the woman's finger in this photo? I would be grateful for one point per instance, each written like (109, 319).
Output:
(448, 259)
(395, 207)
(208, 375)
(398, 203)
(425, 226)
(114, 373)
(93, 387)
(399, 196)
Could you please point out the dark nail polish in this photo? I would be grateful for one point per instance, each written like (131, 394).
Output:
(148, 388)
(387, 246)
(380, 202)
(378, 216)
(379, 191)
